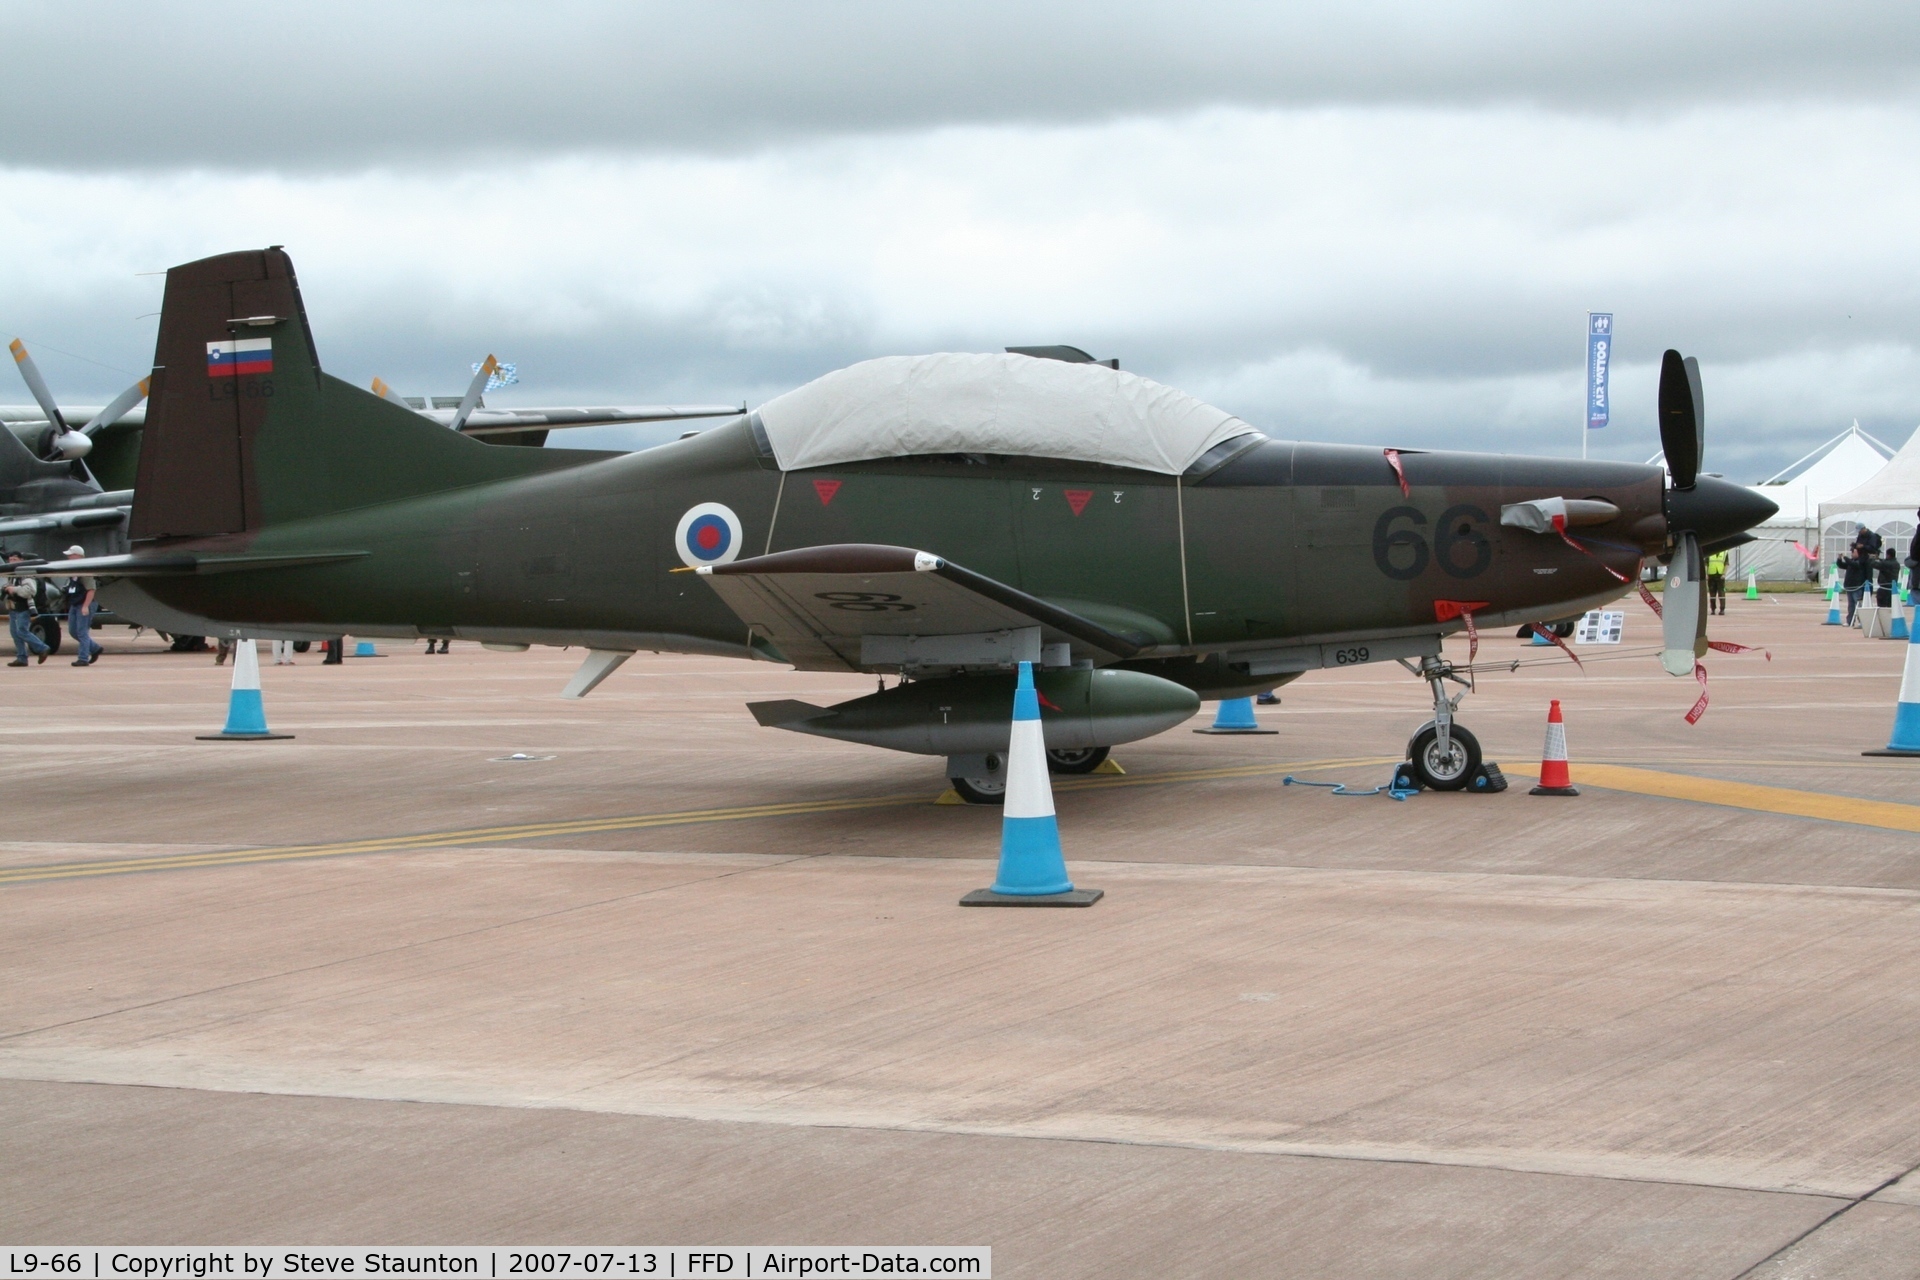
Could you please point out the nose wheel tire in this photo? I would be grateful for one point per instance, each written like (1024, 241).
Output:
(979, 790)
(1448, 770)
(1076, 759)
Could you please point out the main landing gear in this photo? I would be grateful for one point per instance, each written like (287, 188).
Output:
(983, 779)
(1443, 755)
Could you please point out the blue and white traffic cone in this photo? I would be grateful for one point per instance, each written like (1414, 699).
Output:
(246, 714)
(1905, 740)
(1033, 870)
(1235, 715)
(365, 649)
(1899, 631)
(1833, 609)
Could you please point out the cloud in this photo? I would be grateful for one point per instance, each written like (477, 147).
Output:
(1417, 274)
(245, 86)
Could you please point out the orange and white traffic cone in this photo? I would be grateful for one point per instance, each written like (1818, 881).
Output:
(1554, 778)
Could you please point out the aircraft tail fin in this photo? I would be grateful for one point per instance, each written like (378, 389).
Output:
(244, 430)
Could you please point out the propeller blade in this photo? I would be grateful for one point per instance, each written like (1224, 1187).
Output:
(385, 392)
(471, 400)
(132, 396)
(1680, 418)
(1699, 413)
(38, 386)
(1683, 611)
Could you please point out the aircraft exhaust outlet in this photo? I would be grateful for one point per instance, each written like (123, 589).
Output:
(1033, 870)
(246, 713)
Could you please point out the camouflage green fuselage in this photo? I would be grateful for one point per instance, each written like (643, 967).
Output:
(1286, 543)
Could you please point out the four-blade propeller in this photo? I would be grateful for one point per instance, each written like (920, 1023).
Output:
(63, 443)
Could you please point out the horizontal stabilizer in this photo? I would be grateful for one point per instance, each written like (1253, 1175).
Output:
(177, 564)
(820, 606)
(494, 422)
(95, 519)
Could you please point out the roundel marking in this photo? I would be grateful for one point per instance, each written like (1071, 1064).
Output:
(708, 534)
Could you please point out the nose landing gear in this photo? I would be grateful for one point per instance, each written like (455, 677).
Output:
(1443, 755)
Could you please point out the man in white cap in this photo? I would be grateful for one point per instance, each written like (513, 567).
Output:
(80, 593)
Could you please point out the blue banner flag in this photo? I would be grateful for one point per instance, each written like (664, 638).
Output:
(1599, 356)
(505, 375)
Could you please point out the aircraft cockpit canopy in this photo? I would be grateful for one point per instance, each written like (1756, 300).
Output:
(991, 403)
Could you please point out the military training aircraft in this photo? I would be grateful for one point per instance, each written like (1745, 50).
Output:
(938, 517)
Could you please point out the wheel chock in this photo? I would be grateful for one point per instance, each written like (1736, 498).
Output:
(949, 796)
(1109, 765)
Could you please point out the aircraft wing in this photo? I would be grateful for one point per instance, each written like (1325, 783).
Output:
(94, 518)
(863, 607)
(481, 422)
(493, 422)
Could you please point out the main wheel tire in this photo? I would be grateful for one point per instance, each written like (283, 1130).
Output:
(980, 790)
(301, 646)
(1076, 759)
(1448, 771)
(48, 629)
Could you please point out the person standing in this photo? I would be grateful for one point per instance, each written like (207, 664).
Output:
(80, 594)
(1887, 572)
(283, 653)
(21, 593)
(1717, 583)
(1853, 578)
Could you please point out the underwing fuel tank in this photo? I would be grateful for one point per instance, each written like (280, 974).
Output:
(968, 715)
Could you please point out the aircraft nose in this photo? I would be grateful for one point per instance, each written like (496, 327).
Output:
(1715, 509)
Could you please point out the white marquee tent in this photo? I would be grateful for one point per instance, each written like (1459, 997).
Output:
(1843, 463)
(1886, 503)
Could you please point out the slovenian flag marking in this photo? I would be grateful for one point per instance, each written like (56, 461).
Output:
(244, 356)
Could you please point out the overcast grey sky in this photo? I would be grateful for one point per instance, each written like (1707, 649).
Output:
(1375, 222)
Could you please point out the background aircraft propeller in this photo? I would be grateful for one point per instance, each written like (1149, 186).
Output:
(63, 443)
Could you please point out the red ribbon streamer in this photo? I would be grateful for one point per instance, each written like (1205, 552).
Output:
(1728, 646)
(1448, 610)
(1393, 456)
(1699, 671)
(1560, 527)
(1700, 707)
(1542, 629)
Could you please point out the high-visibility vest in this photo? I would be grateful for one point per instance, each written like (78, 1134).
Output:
(1717, 564)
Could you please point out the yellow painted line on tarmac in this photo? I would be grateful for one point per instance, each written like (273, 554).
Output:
(1747, 795)
(590, 826)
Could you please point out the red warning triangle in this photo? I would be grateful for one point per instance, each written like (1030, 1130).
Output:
(826, 489)
(1078, 499)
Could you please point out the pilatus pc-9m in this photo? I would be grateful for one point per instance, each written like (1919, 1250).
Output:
(938, 517)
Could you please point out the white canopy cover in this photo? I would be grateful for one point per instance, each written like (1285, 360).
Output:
(1895, 487)
(956, 402)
